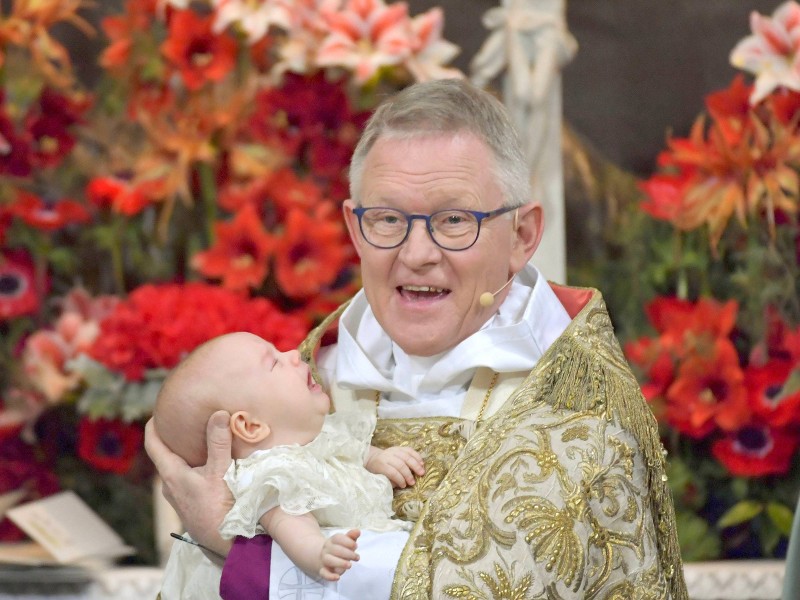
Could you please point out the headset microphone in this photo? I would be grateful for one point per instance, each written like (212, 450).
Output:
(486, 299)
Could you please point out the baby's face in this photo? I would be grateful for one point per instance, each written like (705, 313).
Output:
(288, 395)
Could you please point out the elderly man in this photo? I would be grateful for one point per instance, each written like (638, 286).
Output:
(544, 476)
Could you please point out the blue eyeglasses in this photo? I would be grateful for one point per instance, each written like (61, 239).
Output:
(451, 229)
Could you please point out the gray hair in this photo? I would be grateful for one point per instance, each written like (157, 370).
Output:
(449, 106)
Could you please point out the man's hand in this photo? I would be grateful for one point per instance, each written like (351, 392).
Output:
(398, 463)
(338, 553)
(199, 495)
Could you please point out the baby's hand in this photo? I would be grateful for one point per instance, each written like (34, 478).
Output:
(337, 554)
(398, 463)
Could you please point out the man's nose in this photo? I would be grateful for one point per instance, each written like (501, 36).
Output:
(419, 248)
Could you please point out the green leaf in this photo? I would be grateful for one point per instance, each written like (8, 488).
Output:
(781, 516)
(696, 540)
(739, 513)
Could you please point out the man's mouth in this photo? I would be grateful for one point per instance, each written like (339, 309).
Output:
(422, 292)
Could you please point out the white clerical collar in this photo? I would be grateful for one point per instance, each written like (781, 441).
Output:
(530, 319)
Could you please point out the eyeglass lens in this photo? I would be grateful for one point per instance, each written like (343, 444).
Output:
(451, 229)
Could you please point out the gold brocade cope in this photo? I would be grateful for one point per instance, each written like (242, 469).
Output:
(560, 494)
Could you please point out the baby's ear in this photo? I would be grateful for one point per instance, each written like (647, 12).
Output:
(248, 429)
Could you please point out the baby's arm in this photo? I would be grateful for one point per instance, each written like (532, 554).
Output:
(398, 463)
(301, 539)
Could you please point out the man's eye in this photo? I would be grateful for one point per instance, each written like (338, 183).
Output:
(454, 219)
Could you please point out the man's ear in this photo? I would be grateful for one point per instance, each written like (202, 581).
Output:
(351, 220)
(528, 228)
(248, 429)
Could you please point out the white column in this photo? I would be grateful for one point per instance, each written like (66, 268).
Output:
(529, 40)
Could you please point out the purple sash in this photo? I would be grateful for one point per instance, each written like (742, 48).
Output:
(245, 574)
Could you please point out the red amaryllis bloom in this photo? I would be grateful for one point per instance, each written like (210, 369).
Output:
(199, 55)
(17, 287)
(109, 445)
(240, 256)
(311, 253)
(756, 450)
(708, 392)
(117, 195)
(678, 320)
(47, 216)
(766, 395)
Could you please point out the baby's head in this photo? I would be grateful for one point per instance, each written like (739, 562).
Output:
(270, 396)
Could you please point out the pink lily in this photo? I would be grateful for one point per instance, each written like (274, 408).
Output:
(365, 36)
(772, 53)
(253, 17)
(428, 50)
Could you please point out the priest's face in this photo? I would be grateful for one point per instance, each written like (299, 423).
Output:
(425, 297)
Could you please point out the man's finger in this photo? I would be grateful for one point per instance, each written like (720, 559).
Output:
(218, 435)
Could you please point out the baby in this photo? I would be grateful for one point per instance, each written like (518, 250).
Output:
(296, 467)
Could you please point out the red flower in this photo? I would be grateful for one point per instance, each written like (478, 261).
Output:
(240, 256)
(766, 394)
(311, 253)
(17, 287)
(47, 216)
(730, 108)
(117, 195)
(109, 445)
(199, 55)
(708, 392)
(756, 450)
(675, 318)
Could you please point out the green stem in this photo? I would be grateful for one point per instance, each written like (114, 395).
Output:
(40, 275)
(208, 198)
(115, 248)
(682, 284)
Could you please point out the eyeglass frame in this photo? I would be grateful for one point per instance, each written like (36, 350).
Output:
(410, 217)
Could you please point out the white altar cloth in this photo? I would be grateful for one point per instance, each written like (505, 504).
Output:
(721, 580)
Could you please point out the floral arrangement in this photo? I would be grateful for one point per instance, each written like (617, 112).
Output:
(191, 188)
(716, 249)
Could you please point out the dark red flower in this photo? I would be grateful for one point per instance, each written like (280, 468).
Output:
(22, 469)
(48, 123)
(47, 216)
(109, 445)
(756, 450)
(17, 285)
(199, 55)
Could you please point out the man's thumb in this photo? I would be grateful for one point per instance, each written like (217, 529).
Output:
(218, 436)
